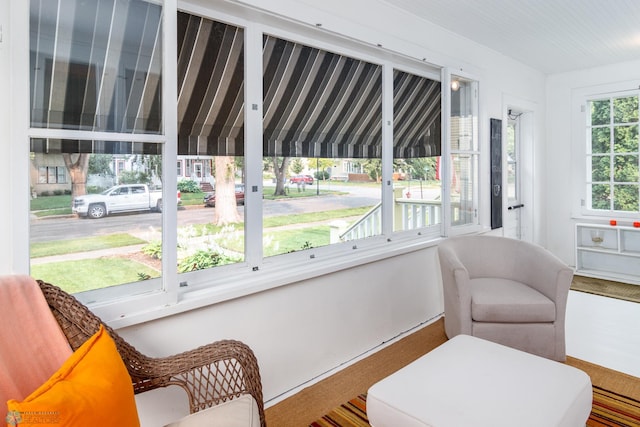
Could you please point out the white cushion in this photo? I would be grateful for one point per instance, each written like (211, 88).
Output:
(503, 300)
(468, 381)
(240, 412)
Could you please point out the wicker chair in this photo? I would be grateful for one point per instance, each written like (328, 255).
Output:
(210, 374)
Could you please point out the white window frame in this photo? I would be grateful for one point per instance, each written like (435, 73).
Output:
(118, 308)
(579, 167)
(447, 152)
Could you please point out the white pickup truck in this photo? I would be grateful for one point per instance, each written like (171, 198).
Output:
(121, 198)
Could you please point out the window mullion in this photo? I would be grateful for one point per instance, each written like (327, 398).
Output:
(387, 149)
(446, 151)
(170, 151)
(253, 145)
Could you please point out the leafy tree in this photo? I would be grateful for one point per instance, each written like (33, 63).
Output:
(297, 166)
(100, 164)
(152, 164)
(323, 166)
(280, 167)
(615, 160)
(423, 168)
(626, 198)
(134, 177)
(373, 167)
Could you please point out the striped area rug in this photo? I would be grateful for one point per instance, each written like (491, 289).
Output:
(609, 410)
(612, 409)
(350, 414)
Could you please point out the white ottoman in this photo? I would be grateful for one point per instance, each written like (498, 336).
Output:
(470, 382)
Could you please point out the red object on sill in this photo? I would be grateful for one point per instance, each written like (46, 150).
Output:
(613, 222)
(636, 224)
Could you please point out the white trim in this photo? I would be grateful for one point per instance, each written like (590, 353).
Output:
(170, 150)
(18, 135)
(527, 161)
(97, 136)
(253, 150)
(387, 149)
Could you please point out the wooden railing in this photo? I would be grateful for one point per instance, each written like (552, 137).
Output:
(408, 214)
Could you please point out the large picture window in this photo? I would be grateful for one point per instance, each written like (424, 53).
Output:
(337, 150)
(95, 68)
(322, 147)
(613, 144)
(211, 143)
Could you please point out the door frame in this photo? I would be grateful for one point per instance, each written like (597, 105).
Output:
(526, 162)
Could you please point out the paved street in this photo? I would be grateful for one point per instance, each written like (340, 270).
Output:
(71, 227)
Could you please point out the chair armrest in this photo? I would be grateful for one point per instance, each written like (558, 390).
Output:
(546, 273)
(211, 374)
(456, 291)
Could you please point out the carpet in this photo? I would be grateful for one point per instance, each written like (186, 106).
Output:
(607, 288)
(609, 410)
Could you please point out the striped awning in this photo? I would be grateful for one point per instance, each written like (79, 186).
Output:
(320, 104)
(210, 87)
(316, 103)
(416, 116)
(96, 66)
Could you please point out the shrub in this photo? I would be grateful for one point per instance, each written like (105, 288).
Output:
(188, 186)
(94, 189)
(322, 175)
(143, 276)
(153, 249)
(134, 177)
(202, 259)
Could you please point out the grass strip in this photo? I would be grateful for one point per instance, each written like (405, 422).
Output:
(89, 274)
(85, 244)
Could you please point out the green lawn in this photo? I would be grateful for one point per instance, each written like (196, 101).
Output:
(85, 275)
(286, 241)
(61, 247)
(45, 203)
(189, 199)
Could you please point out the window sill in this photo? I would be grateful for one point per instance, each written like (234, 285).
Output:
(154, 305)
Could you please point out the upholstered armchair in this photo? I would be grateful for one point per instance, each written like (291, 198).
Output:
(506, 291)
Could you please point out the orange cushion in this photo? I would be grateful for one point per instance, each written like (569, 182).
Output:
(92, 388)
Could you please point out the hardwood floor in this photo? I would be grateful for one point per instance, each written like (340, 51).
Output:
(600, 330)
(313, 402)
(604, 331)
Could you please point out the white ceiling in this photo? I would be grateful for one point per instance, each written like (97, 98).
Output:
(549, 35)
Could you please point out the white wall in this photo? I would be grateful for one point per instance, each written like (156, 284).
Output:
(305, 329)
(562, 163)
(300, 331)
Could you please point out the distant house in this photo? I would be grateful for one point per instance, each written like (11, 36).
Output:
(49, 175)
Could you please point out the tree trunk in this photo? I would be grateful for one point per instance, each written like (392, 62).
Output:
(78, 169)
(281, 175)
(226, 211)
